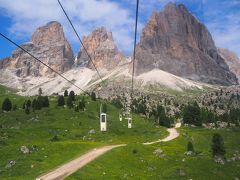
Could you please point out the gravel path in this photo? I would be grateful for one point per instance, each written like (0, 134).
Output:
(72, 166)
(173, 134)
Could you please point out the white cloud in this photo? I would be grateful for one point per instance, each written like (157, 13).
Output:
(27, 15)
(225, 30)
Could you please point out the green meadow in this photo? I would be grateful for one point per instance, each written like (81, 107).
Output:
(56, 135)
(137, 161)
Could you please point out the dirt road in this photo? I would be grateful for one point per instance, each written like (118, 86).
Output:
(173, 134)
(72, 166)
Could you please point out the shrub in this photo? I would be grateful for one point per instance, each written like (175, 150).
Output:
(55, 138)
(134, 151)
(190, 147)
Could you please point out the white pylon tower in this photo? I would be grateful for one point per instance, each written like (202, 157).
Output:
(127, 111)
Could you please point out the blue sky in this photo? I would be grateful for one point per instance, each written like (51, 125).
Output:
(19, 19)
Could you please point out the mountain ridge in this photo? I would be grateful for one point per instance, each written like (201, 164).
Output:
(173, 41)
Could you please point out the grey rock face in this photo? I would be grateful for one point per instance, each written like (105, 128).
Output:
(175, 41)
(102, 49)
(231, 60)
(49, 45)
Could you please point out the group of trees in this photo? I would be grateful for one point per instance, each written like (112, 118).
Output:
(193, 114)
(232, 116)
(139, 106)
(36, 104)
(160, 116)
(71, 101)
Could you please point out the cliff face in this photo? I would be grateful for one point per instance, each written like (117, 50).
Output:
(49, 45)
(175, 41)
(231, 60)
(102, 49)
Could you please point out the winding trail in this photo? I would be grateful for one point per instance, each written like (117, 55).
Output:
(173, 134)
(74, 165)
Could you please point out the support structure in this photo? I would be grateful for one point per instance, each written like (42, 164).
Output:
(127, 111)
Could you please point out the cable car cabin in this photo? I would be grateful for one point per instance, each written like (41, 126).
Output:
(120, 117)
(129, 122)
(103, 122)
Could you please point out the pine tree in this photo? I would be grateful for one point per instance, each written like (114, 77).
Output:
(7, 105)
(65, 93)
(45, 101)
(61, 101)
(93, 96)
(69, 102)
(72, 95)
(218, 148)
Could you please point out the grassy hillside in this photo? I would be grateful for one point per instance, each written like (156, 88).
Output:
(56, 135)
(137, 161)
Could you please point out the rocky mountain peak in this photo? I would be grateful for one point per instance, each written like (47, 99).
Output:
(49, 45)
(51, 33)
(102, 49)
(175, 41)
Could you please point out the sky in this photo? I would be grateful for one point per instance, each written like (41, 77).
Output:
(20, 18)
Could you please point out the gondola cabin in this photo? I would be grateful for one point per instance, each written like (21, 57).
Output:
(120, 117)
(129, 122)
(103, 122)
